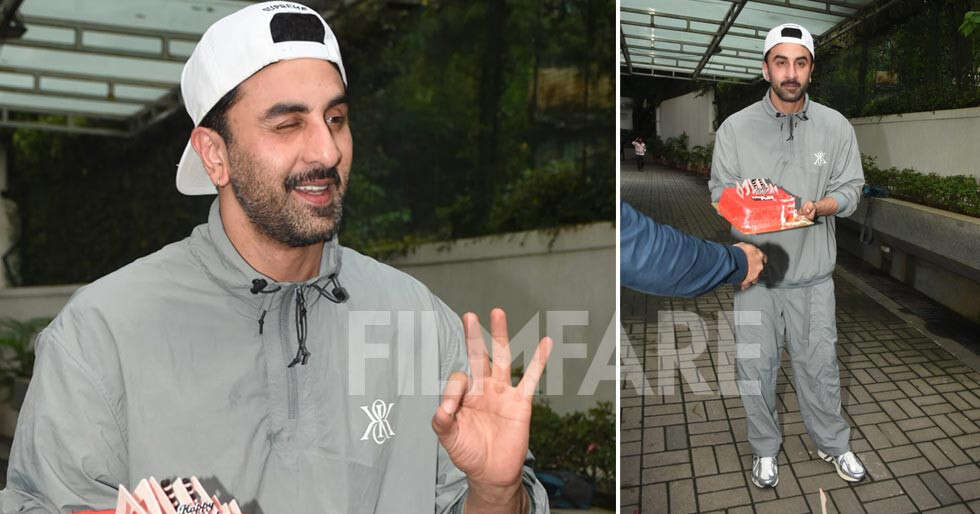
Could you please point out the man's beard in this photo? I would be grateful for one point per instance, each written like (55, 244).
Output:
(269, 208)
(785, 95)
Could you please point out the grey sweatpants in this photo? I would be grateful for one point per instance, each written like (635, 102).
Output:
(806, 317)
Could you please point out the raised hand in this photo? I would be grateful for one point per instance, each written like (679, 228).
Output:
(483, 420)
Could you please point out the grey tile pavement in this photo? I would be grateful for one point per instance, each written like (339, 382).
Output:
(914, 408)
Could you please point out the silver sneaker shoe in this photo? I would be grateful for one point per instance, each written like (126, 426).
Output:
(848, 466)
(764, 472)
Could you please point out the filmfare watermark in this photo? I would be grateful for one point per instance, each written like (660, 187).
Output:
(683, 352)
(409, 348)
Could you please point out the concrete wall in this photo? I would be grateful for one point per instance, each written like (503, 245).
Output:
(944, 142)
(34, 302)
(693, 113)
(559, 285)
(936, 252)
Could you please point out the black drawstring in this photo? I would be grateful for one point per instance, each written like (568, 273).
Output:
(302, 354)
(259, 286)
(792, 117)
(337, 295)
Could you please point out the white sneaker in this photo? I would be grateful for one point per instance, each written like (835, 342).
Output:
(848, 466)
(764, 472)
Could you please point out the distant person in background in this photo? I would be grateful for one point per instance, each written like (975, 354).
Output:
(639, 152)
(661, 260)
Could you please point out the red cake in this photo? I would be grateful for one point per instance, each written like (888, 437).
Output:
(756, 205)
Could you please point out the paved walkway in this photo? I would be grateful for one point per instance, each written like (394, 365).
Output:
(914, 408)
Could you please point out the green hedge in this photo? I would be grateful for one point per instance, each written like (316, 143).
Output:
(582, 442)
(958, 193)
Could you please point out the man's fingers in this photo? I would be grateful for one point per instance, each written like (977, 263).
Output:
(534, 369)
(476, 349)
(444, 419)
(501, 345)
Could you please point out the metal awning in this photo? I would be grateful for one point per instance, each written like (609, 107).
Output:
(106, 67)
(723, 39)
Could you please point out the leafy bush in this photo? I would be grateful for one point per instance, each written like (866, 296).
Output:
(583, 442)
(17, 349)
(699, 158)
(958, 193)
(674, 152)
(553, 195)
(675, 149)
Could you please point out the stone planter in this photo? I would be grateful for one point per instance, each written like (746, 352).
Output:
(935, 251)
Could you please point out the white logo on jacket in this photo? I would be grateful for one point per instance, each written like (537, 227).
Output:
(820, 159)
(379, 429)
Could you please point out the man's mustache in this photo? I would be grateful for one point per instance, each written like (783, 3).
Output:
(314, 174)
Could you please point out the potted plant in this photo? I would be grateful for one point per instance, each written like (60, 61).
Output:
(17, 355)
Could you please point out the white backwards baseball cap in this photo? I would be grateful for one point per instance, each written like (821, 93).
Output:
(234, 48)
(789, 33)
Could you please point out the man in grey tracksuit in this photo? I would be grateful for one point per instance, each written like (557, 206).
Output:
(258, 354)
(810, 151)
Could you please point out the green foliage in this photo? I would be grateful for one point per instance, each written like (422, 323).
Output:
(699, 158)
(583, 442)
(910, 58)
(87, 205)
(913, 59)
(457, 109)
(971, 20)
(675, 152)
(959, 193)
(553, 195)
(456, 112)
(17, 349)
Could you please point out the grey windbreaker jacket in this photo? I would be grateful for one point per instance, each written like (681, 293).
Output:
(173, 366)
(811, 154)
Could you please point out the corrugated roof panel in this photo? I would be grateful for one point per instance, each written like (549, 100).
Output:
(718, 38)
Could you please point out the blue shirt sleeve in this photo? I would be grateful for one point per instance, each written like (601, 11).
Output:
(659, 259)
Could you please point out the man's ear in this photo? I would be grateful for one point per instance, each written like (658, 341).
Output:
(765, 71)
(210, 146)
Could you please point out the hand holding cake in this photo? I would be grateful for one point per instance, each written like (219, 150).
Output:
(824, 207)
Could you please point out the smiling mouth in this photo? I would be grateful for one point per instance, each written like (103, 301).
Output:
(315, 189)
(316, 186)
(317, 192)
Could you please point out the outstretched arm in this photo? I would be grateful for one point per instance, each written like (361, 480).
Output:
(662, 260)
